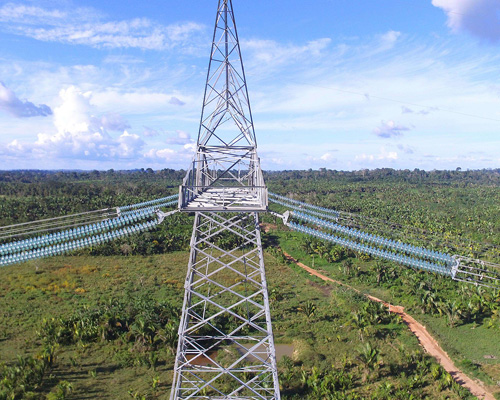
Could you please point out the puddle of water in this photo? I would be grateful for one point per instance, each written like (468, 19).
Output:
(202, 361)
(281, 351)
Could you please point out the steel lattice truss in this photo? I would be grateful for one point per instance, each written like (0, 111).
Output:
(226, 158)
(226, 348)
(226, 95)
(226, 306)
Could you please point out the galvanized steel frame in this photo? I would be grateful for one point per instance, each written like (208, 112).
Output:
(226, 285)
(226, 154)
(226, 346)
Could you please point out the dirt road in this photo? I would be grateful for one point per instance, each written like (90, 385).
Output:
(426, 340)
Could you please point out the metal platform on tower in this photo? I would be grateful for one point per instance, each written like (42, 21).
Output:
(224, 179)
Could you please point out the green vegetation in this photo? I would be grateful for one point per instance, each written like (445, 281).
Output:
(106, 325)
(453, 211)
(102, 323)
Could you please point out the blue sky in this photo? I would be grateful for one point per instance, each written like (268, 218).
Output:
(337, 84)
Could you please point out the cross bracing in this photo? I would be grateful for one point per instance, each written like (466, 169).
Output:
(226, 311)
(225, 187)
(226, 151)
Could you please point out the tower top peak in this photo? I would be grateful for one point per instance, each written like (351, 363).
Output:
(225, 174)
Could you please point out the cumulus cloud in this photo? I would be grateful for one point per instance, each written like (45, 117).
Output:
(390, 129)
(181, 137)
(158, 155)
(480, 18)
(327, 157)
(86, 27)
(162, 156)
(114, 122)
(10, 103)
(79, 135)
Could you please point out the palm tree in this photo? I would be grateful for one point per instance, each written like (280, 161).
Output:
(369, 357)
(360, 322)
(308, 309)
(453, 312)
(379, 269)
(347, 264)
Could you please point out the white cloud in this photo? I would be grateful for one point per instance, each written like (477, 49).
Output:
(114, 122)
(384, 155)
(138, 101)
(81, 137)
(181, 137)
(190, 147)
(273, 54)
(327, 157)
(389, 39)
(390, 129)
(18, 108)
(480, 18)
(85, 27)
(78, 135)
(149, 132)
(22, 14)
(160, 155)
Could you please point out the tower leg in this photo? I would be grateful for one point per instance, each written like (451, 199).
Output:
(226, 347)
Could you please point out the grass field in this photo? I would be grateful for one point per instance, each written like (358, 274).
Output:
(378, 359)
(474, 347)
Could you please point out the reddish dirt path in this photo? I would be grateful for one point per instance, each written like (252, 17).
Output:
(426, 340)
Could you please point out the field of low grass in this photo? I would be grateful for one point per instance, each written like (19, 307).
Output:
(473, 346)
(108, 342)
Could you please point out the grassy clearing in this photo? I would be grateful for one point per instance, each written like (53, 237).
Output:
(341, 342)
(59, 287)
(473, 346)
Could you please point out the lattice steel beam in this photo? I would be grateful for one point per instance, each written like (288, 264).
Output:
(226, 152)
(226, 348)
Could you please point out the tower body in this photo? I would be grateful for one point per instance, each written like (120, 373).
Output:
(226, 348)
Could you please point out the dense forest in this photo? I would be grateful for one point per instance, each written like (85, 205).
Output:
(102, 322)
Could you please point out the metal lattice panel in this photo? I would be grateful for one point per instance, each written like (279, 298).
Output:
(226, 154)
(226, 348)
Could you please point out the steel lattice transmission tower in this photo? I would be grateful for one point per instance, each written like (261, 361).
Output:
(226, 348)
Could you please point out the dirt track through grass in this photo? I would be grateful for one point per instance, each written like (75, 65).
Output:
(430, 345)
